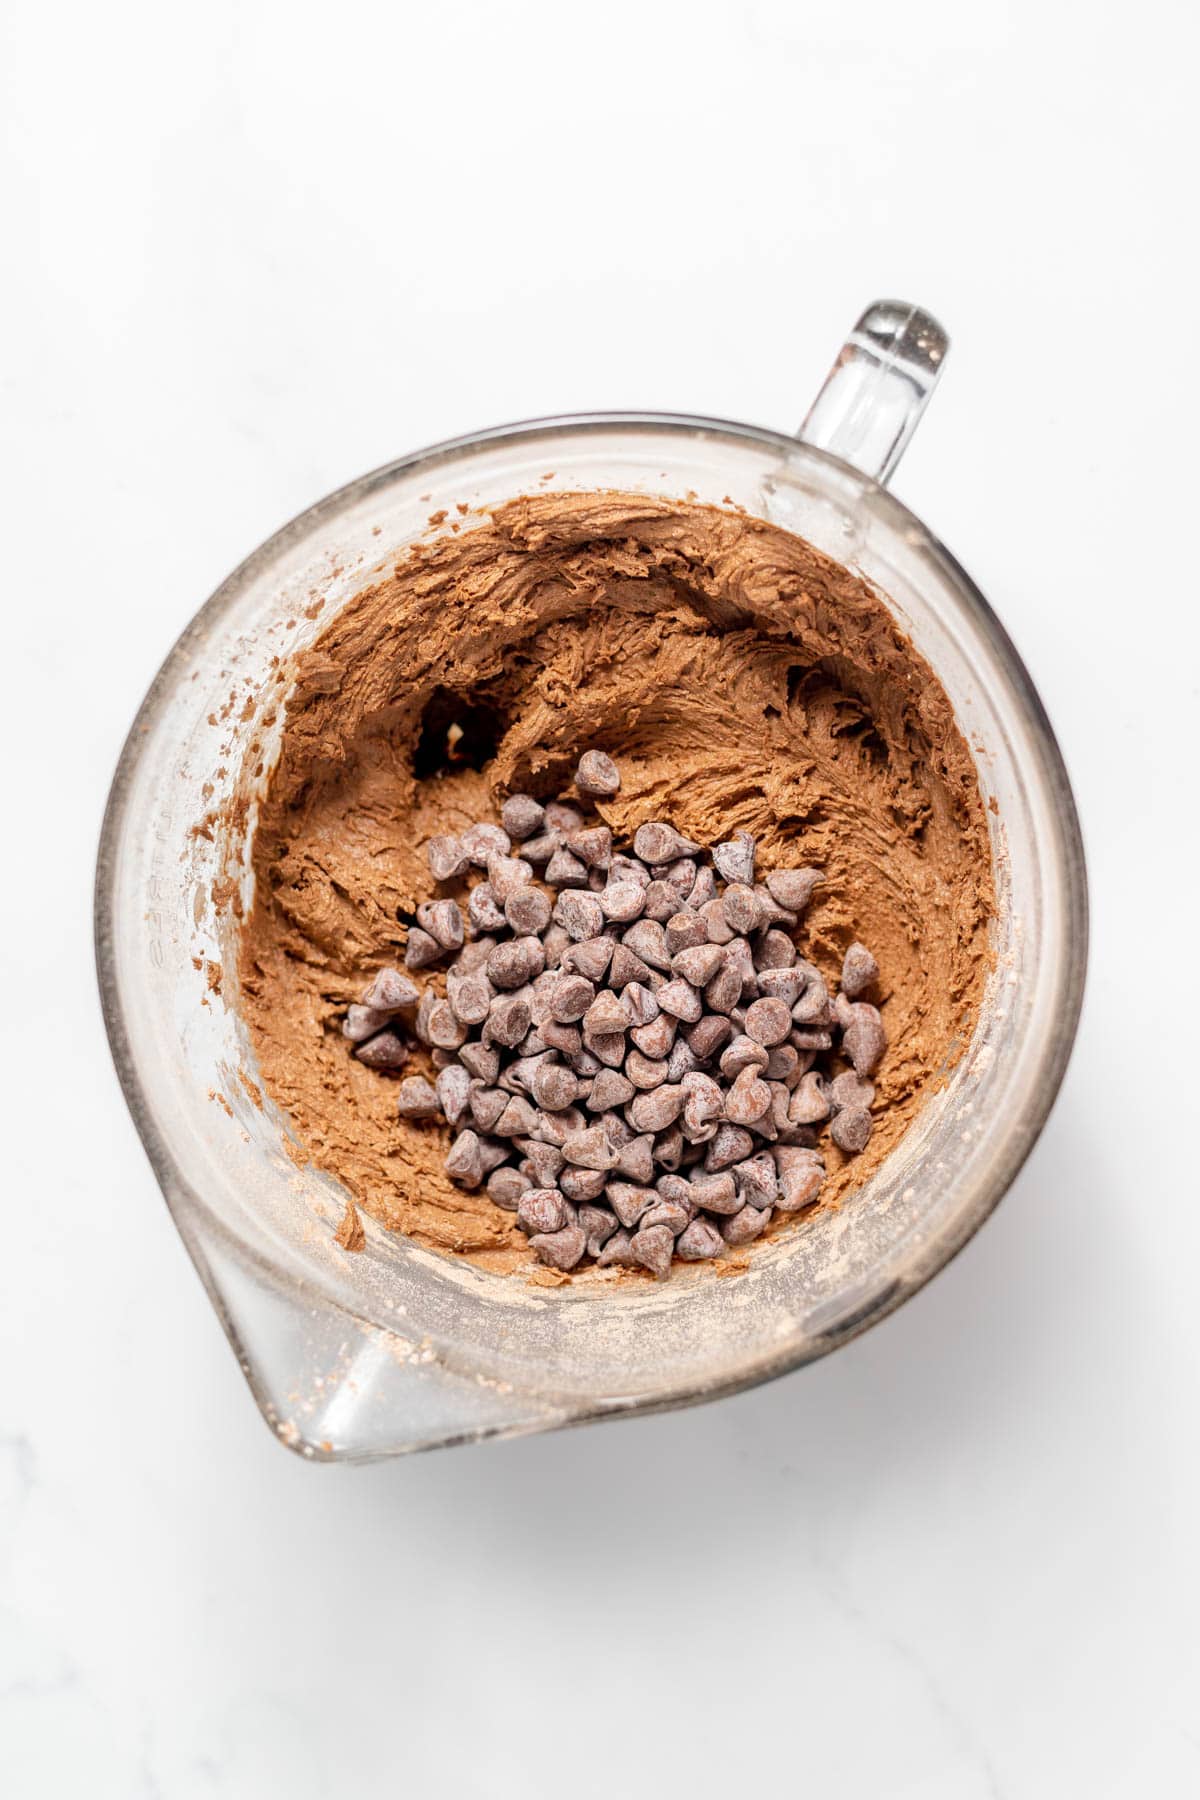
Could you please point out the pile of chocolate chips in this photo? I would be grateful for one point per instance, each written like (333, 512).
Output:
(638, 1060)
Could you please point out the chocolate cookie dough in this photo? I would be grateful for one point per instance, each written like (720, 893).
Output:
(742, 680)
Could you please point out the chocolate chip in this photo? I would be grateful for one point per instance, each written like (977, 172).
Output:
(483, 912)
(656, 1038)
(638, 1004)
(570, 998)
(699, 1241)
(774, 950)
(681, 1058)
(560, 1249)
(522, 816)
(599, 1224)
(685, 931)
(731, 1145)
(748, 1098)
(715, 1193)
(556, 1128)
(390, 991)
(768, 1020)
(590, 957)
(812, 1005)
(629, 868)
(734, 859)
(859, 970)
(809, 1037)
(653, 1247)
(554, 1087)
(421, 950)
(772, 914)
(756, 1179)
(655, 1110)
(723, 991)
(487, 1105)
(741, 907)
(416, 1099)
(645, 1072)
(597, 775)
(386, 1050)
(528, 911)
(657, 842)
(592, 845)
(443, 1028)
(849, 1089)
(482, 841)
(539, 850)
(801, 1173)
(784, 984)
(793, 888)
(607, 1046)
(617, 1251)
(703, 1108)
(507, 875)
(746, 1225)
(716, 928)
(491, 1154)
(616, 1128)
(443, 921)
(579, 913)
(783, 1064)
(622, 901)
(543, 1163)
(864, 1039)
(647, 939)
(505, 1187)
(453, 1092)
(481, 1060)
(562, 817)
(362, 1022)
(739, 956)
(464, 1161)
(565, 871)
(626, 966)
(609, 1088)
(698, 963)
(629, 1201)
(706, 1037)
(680, 1000)
(582, 1184)
(851, 1129)
(515, 962)
(542, 1209)
(810, 1102)
(448, 858)
(473, 957)
(589, 1148)
(704, 889)
(635, 1161)
(566, 1039)
(604, 1016)
(507, 1022)
(669, 1147)
(470, 997)
(680, 875)
(661, 901)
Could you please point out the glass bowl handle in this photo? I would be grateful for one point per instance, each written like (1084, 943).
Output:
(878, 388)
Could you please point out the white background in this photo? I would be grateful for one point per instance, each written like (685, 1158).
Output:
(251, 250)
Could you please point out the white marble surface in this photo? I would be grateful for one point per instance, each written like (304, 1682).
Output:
(255, 249)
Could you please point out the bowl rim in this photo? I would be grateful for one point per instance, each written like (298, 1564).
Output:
(1070, 973)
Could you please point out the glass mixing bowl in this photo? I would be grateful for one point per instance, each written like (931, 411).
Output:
(396, 1349)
